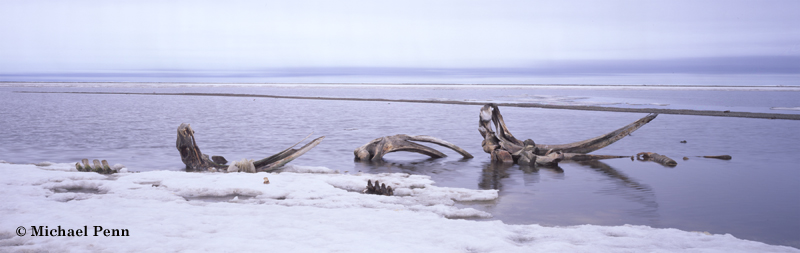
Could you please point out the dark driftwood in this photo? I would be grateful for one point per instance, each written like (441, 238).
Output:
(721, 157)
(504, 147)
(377, 148)
(195, 160)
(655, 157)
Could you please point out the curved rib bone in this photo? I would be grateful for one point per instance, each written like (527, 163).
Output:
(440, 142)
(599, 142)
(377, 148)
(287, 156)
(276, 157)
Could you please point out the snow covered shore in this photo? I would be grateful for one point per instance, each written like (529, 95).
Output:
(303, 209)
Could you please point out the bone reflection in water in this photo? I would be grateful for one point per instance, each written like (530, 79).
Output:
(494, 172)
(531, 173)
(629, 189)
(492, 175)
(554, 168)
(418, 166)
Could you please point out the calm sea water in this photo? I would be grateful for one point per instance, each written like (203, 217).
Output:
(755, 196)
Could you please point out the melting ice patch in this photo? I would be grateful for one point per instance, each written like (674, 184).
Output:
(309, 209)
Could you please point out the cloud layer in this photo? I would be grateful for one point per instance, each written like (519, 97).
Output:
(92, 35)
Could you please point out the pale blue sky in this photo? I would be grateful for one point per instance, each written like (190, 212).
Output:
(93, 35)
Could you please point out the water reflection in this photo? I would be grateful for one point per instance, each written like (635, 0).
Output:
(629, 189)
(417, 166)
(493, 174)
(617, 200)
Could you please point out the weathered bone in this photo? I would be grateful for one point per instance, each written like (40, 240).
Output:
(191, 155)
(549, 159)
(197, 161)
(285, 156)
(377, 148)
(98, 166)
(86, 166)
(528, 152)
(106, 167)
(655, 157)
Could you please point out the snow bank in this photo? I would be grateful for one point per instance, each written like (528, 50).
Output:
(311, 209)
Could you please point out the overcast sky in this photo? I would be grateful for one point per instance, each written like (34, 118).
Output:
(94, 35)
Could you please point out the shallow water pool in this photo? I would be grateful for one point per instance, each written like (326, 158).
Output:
(755, 196)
